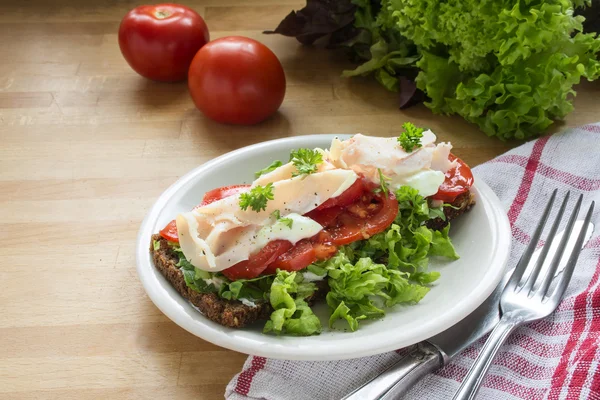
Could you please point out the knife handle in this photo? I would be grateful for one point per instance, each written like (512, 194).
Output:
(422, 359)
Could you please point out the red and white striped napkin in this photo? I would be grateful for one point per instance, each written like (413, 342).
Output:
(556, 358)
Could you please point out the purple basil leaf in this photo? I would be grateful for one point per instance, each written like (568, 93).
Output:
(317, 19)
(409, 94)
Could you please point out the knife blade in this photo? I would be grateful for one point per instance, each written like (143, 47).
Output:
(437, 351)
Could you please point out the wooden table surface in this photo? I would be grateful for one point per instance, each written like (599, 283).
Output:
(86, 148)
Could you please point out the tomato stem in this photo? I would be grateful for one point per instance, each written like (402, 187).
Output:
(162, 14)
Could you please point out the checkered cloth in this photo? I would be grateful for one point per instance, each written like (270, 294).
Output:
(556, 358)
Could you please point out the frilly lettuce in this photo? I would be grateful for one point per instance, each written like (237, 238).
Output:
(360, 290)
(508, 66)
(388, 268)
(291, 314)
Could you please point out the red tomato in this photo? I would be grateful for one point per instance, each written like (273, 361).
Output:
(298, 257)
(353, 226)
(459, 179)
(220, 193)
(349, 196)
(236, 80)
(169, 232)
(258, 262)
(324, 251)
(325, 217)
(160, 41)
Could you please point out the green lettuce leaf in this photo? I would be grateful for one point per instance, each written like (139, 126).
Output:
(291, 314)
(425, 278)
(383, 51)
(195, 278)
(201, 281)
(388, 268)
(507, 66)
(442, 246)
(359, 290)
(343, 312)
(401, 290)
(256, 289)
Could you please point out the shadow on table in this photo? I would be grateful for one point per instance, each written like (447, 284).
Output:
(151, 94)
(204, 131)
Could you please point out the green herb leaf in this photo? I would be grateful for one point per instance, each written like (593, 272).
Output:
(287, 222)
(274, 165)
(276, 215)
(156, 245)
(383, 186)
(411, 137)
(437, 212)
(306, 161)
(257, 198)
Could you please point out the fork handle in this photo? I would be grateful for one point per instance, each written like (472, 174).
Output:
(422, 359)
(470, 385)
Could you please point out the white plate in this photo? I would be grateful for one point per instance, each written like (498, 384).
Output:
(481, 237)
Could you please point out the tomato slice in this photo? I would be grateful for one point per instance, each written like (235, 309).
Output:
(220, 193)
(458, 180)
(353, 225)
(347, 197)
(324, 251)
(298, 257)
(169, 232)
(258, 262)
(325, 217)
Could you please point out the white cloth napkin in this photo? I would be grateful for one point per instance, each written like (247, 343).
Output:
(556, 358)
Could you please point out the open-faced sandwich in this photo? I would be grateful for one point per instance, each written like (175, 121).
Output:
(354, 225)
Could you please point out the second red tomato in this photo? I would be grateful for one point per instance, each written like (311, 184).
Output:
(236, 80)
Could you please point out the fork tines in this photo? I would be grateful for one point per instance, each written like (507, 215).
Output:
(528, 283)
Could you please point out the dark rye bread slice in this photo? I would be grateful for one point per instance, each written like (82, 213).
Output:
(460, 205)
(232, 313)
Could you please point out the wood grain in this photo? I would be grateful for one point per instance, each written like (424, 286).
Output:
(87, 147)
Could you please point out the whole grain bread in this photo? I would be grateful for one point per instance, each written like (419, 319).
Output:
(232, 313)
(460, 205)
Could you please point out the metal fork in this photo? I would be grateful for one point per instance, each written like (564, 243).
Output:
(527, 298)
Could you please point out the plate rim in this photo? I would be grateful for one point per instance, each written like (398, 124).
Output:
(201, 328)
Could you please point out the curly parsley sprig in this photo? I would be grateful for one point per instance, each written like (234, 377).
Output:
(411, 137)
(257, 198)
(306, 161)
